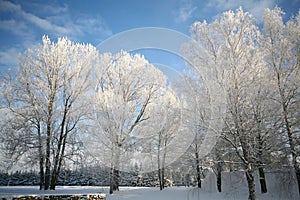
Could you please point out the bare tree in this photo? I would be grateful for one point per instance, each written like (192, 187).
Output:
(165, 122)
(196, 114)
(229, 45)
(126, 86)
(48, 94)
(281, 42)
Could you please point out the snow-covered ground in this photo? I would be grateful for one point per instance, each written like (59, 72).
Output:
(142, 193)
(183, 193)
(60, 190)
(281, 186)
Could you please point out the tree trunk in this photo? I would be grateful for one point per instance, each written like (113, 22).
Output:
(42, 176)
(298, 179)
(115, 174)
(111, 181)
(262, 180)
(292, 144)
(57, 158)
(198, 170)
(114, 180)
(41, 157)
(56, 161)
(288, 128)
(248, 168)
(47, 173)
(62, 156)
(219, 180)
(48, 140)
(163, 163)
(251, 183)
(219, 167)
(163, 176)
(159, 179)
(159, 163)
(53, 180)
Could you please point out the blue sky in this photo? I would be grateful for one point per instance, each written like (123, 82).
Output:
(22, 23)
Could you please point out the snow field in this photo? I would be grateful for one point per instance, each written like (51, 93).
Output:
(281, 186)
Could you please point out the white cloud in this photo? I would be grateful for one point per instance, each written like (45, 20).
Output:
(41, 23)
(93, 25)
(45, 24)
(53, 10)
(255, 7)
(13, 26)
(27, 26)
(57, 22)
(9, 58)
(185, 11)
(21, 30)
(8, 6)
(258, 9)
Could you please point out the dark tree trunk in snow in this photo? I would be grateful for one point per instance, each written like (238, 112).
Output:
(285, 101)
(42, 176)
(160, 179)
(262, 180)
(248, 167)
(62, 156)
(111, 181)
(159, 164)
(219, 180)
(293, 150)
(57, 172)
(198, 168)
(163, 163)
(198, 175)
(53, 181)
(251, 183)
(298, 179)
(52, 87)
(114, 180)
(163, 176)
(47, 173)
(219, 173)
(114, 172)
(60, 146)
(41, 157)
(218, 169)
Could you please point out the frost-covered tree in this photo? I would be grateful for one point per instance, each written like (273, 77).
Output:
(126, 86)
(196, 115)
(48, 94)
(281, 45)
(164, 124)
(230, 52)
(16, 141)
